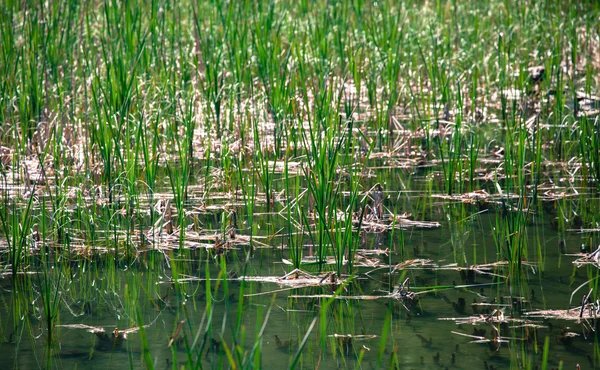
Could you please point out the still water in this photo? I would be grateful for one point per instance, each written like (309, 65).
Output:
(348, 332)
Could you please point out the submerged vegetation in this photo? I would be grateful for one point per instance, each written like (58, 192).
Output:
(307, 184)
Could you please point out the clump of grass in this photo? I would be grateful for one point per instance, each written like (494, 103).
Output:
(17, 223)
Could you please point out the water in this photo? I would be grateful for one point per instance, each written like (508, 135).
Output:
(420, 334)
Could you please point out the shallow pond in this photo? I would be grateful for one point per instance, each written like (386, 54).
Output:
(425, 295)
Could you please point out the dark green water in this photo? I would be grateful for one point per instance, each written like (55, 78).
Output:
(102, 295)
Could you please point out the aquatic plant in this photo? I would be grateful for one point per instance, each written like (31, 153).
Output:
(249, 184)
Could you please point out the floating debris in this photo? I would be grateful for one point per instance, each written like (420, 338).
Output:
(415, 263)
(587, 258)
(400, 223)
(346, 343)
(566, 337)
(587, 312)
(106, 341)
(472, 197)
(402, 291)
(496, 317)
(494, 342)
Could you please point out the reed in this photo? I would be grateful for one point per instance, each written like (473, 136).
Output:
(311, 133)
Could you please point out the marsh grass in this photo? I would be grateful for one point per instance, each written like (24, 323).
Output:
(151, 143)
